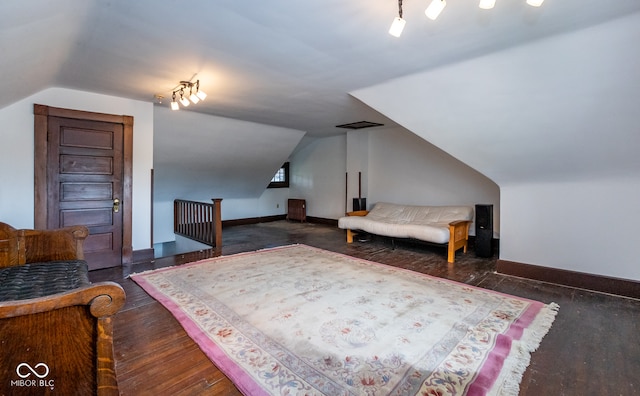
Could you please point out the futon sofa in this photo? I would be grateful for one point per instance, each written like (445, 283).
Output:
(435, 224)
(56, 329)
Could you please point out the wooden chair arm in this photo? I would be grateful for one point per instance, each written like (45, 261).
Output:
(459, 230)
(358, 213)
(103, 298)
(460, 223)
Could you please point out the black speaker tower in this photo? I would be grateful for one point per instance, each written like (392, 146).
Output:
(484, 231)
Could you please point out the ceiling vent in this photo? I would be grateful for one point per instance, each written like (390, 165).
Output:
(359, 125)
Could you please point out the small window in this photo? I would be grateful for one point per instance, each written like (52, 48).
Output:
(281, 178)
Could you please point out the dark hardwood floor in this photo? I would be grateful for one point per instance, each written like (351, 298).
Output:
(593, 347)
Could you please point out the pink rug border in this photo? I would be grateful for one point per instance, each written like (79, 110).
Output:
(483, 382)
(238, 376)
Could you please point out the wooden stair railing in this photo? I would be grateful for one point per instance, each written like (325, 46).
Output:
(199, 221)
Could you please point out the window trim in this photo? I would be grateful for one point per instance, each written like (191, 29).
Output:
(285, 183)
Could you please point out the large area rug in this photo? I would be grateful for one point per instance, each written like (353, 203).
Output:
(298, 320)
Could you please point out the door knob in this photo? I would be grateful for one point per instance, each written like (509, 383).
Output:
(116, 205)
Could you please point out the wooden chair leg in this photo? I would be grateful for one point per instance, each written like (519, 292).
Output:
(350, 236)
(458, 238)
(451, 256)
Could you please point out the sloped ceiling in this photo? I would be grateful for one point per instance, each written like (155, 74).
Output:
(199, 157)
(552, 110)
(288, 63)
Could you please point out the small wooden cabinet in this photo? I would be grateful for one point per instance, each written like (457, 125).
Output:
(297, 210)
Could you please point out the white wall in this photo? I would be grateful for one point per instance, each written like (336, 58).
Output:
(554, 123)
(397, 166)
(588, 226)
(317, 175)
(317, 170)
(272, 202)
(357, 167)
(406, 169)
(17, 154)
(225, 158)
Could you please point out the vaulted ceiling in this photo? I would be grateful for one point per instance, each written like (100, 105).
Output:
(555, 110)
(294, 64)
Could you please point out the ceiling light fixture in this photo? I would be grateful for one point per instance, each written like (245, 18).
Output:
(184, 101)
(487, 4)
(200, 93)
(398, 23)
(194, 94)
(435, 8)
(535, 3)
(174, 104)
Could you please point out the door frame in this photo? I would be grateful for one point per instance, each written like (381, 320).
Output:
(41, 121)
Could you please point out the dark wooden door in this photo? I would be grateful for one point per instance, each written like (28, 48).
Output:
(85, 184)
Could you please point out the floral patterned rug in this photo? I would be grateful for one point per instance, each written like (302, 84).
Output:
(298, 320)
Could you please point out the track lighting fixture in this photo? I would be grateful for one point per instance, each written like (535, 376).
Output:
(184, 101)
(174, 104)
(200, 94)
(487, 4)
(194, 94)
(193, 97)
(398, 23)
(435, 8)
